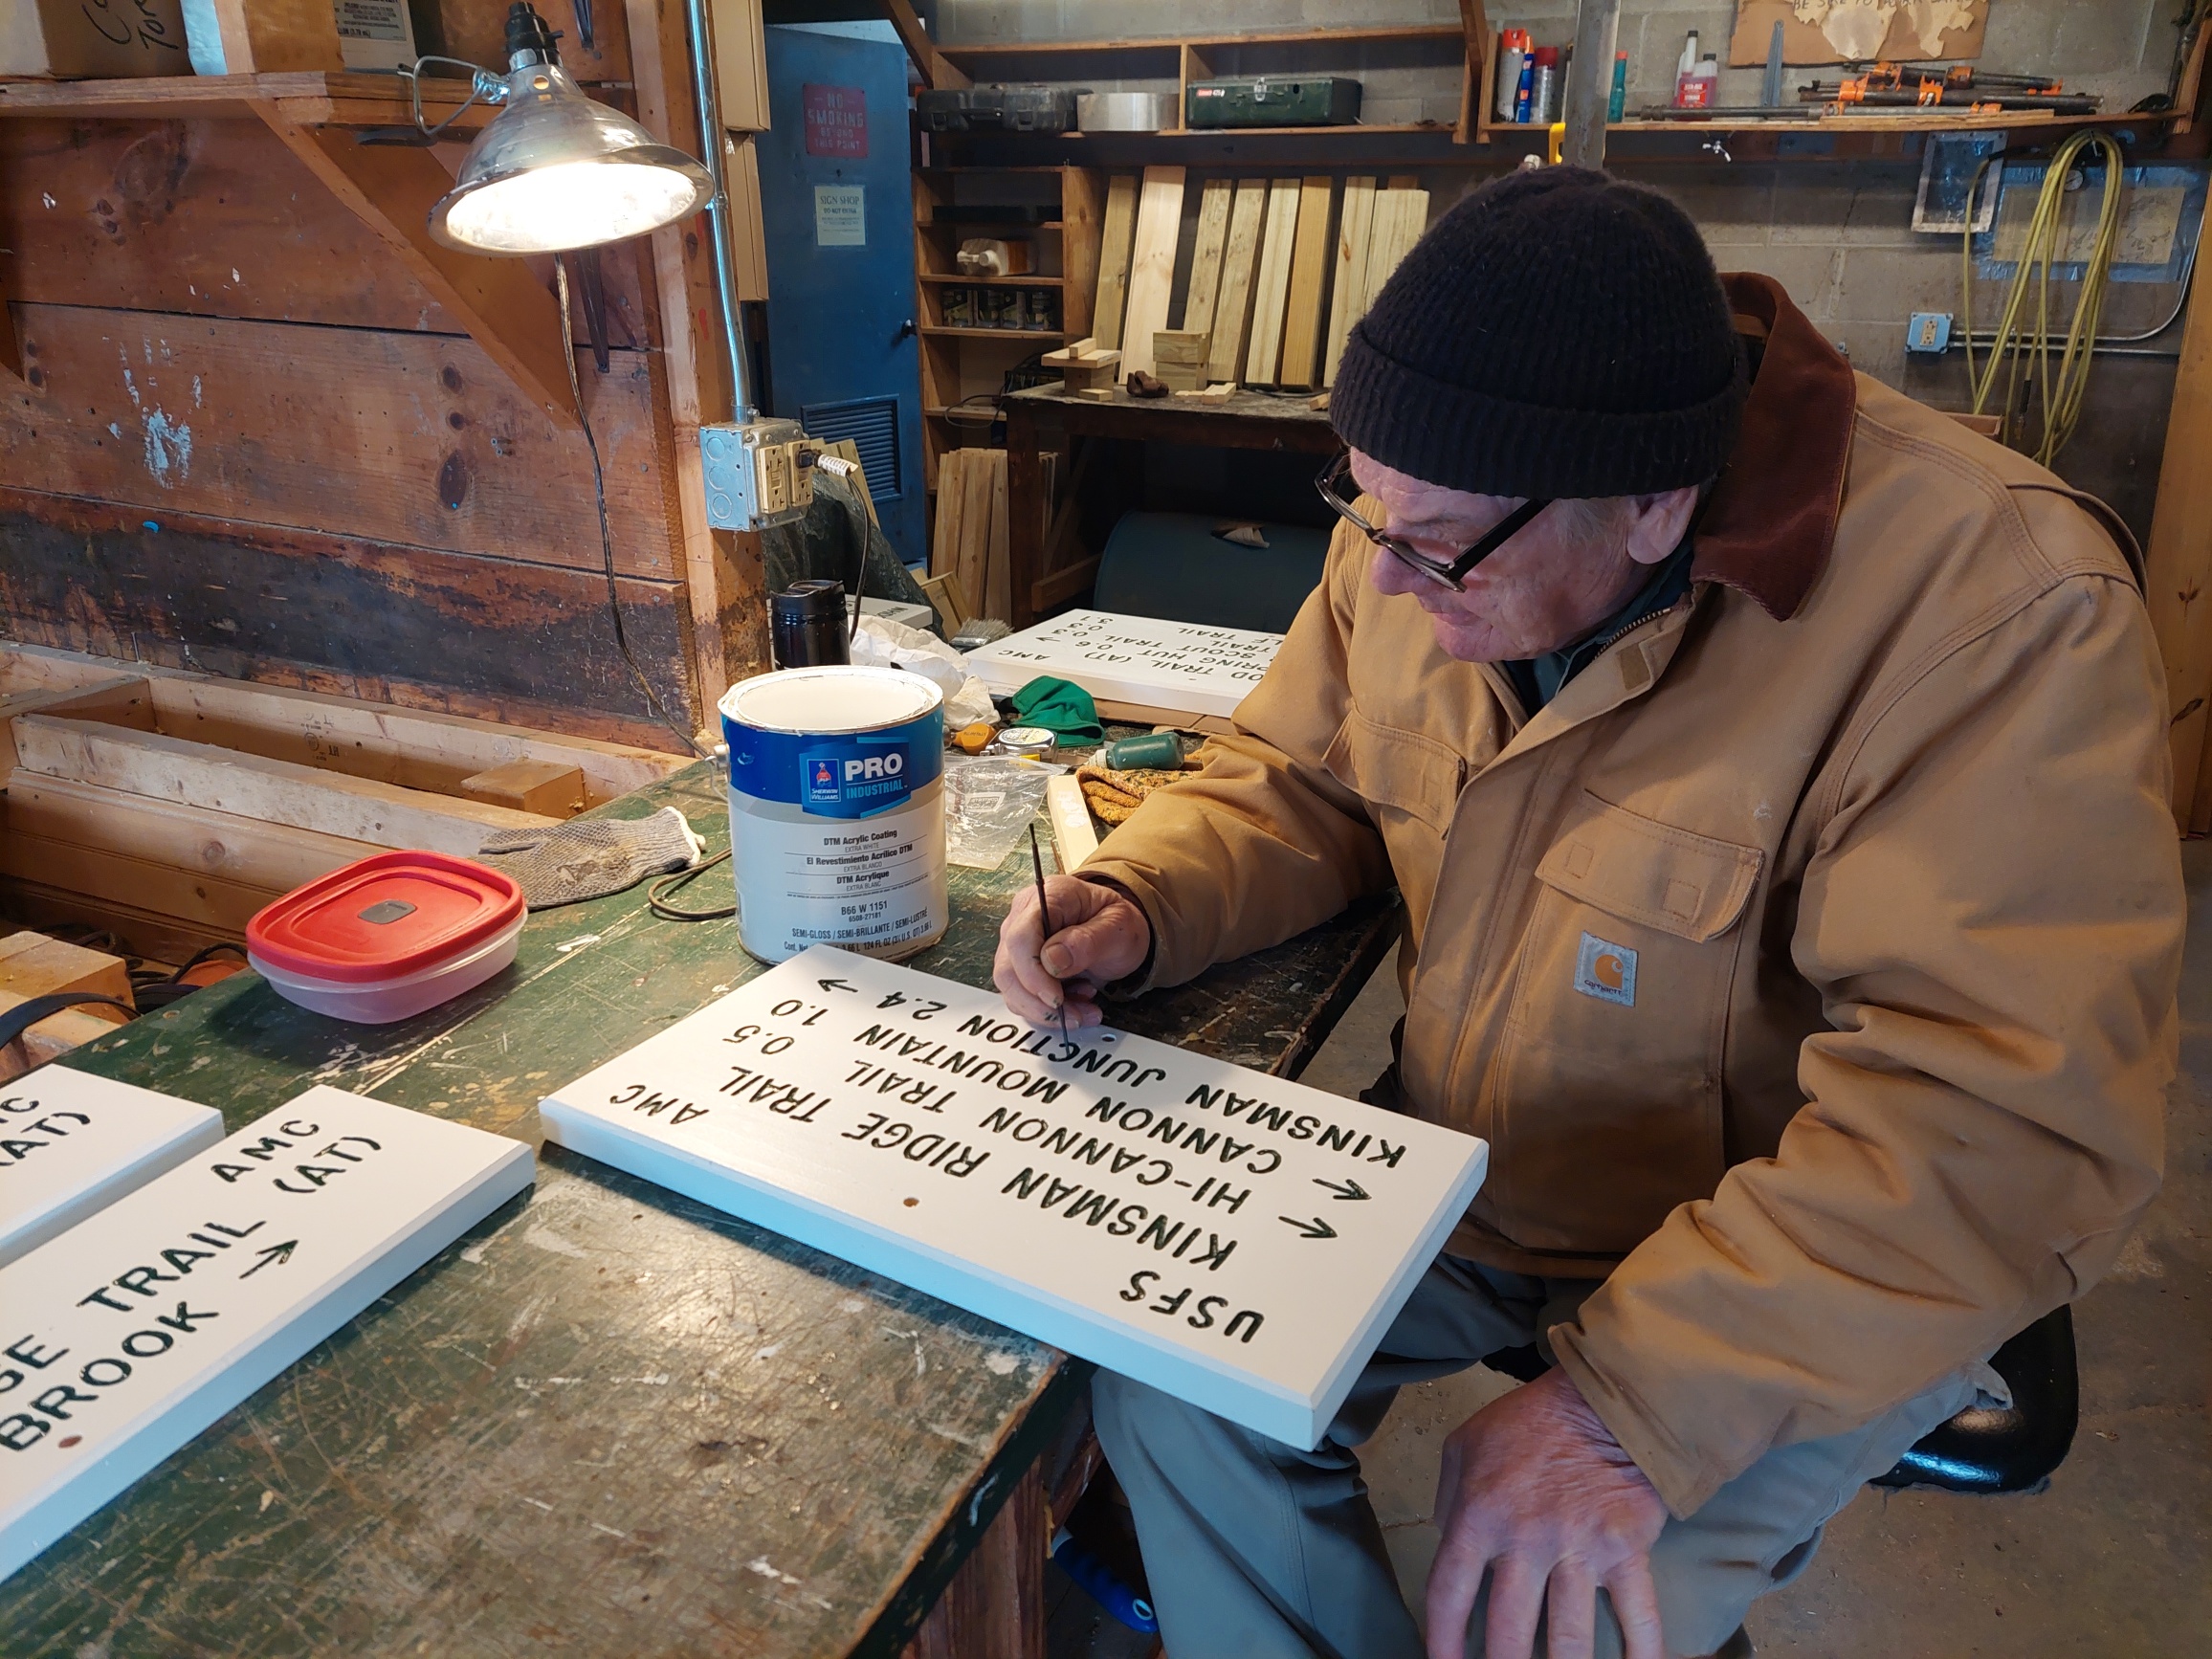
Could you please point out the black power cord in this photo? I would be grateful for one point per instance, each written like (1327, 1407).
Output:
(605, 529)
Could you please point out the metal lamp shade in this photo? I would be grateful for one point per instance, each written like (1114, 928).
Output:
(555, 169)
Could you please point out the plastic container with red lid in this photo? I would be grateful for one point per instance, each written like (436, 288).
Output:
(386, 937)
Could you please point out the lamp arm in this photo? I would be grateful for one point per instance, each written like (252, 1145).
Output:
(713, 142)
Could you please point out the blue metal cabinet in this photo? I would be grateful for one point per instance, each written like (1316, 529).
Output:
(838, 210)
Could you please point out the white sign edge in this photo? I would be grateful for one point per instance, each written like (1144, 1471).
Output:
(138, 1451)
(1029, 1310)
(155, 1161)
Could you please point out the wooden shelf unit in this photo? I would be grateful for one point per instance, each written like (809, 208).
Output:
(958, 363)
(1192, 57)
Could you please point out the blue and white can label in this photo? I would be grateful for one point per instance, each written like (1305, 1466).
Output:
(838, 833)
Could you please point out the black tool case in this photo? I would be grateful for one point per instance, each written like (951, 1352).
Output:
(1004, 108)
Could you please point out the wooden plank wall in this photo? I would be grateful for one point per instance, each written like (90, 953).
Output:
(247, 441)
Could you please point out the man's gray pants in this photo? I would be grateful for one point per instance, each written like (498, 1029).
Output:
(1257, 1550)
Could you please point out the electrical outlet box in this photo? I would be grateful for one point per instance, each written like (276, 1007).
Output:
(759, 475)
(1927, 331)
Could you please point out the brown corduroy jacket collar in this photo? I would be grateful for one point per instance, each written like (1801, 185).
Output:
(1771, 520)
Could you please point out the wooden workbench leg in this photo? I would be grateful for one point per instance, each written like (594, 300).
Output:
(994, 1609)
(1025, 508)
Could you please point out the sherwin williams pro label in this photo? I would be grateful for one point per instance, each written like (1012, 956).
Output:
(837, 836)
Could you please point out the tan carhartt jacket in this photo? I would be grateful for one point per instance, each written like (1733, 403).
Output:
(1809, 962)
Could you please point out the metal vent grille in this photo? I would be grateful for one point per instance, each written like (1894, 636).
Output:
(872, 423)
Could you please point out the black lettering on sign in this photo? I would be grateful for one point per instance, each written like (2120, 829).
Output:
(1202, 1318)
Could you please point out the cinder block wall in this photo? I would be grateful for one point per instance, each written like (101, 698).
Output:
(1837, 234)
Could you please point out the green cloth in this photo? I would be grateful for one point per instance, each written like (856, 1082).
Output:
(1061, 707)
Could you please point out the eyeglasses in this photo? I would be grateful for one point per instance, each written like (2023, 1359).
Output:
(1446, 572)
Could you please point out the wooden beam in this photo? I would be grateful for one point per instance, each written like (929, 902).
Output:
(1272, 285)
(1062, 586)
(725, 575)
(274, 36)
(938, 73)
(201, 844)
(1474, 38)
(253, 786)
(1348, 300)
(391, 188)
(2178, 560)
(543, 786)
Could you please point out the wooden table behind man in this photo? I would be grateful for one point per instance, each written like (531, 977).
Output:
(609, 1421)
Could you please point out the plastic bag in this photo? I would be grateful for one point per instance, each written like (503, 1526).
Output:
(883, 643)
(990, 801)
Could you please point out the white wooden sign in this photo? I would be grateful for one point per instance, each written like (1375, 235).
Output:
(125, 1339)
(1133, 659)
(71, 1143)
(1236, 1240)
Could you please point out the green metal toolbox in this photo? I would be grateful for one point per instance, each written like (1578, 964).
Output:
(1274, 101)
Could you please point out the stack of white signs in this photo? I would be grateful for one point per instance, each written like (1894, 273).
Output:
(72, 1143)
(127, 1336)
(1137, 662)
(1236, 1240)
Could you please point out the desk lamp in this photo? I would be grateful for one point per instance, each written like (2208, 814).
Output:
(556, 170)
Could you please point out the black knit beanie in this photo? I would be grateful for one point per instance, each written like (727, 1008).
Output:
(1558, 333)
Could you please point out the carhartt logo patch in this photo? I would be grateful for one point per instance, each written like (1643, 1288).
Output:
(1606, 972)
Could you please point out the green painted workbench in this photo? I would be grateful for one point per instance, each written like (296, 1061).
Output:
(609, 1421)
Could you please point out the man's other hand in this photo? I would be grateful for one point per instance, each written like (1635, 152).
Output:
(1096, 937)
(1537, 1491)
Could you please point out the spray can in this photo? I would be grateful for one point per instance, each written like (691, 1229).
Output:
(1512, 48)
(1617, 106)
(1523, 110)
(1544, 90)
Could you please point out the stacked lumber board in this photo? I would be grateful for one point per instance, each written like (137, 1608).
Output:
(169, 806)
(1280, 269)
(33, 966)
(972, 531)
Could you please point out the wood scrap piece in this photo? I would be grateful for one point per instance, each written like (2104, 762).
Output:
(847, 450)
(1232, 307)
(1179, 346)
(1116, 236)
(529, 786)
(33, 964)
(949, 601)
(1074, 837)
(54, 1036)
(1205, 255)
(1348, 303)
(1300, 364)
(1221, 391)
(1152, 264)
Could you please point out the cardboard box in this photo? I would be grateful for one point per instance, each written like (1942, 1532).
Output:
(93, 39)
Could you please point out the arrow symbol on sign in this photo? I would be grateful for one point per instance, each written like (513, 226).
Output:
(1315, 1228)
(1345, 1189)
(273, 1253)
(837, 985)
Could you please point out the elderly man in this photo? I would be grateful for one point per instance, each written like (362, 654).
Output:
(1775, 774)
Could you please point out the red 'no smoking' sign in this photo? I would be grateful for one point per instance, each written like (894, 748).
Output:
(836, 122)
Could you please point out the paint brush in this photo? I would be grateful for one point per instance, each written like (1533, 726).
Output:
(1045, 919)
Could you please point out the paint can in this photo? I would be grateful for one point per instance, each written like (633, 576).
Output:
(837, 810)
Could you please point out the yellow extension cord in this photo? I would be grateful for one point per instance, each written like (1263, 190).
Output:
(2061, 391)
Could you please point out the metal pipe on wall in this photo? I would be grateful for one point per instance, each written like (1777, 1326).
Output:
(714, 141)
(1590, 83)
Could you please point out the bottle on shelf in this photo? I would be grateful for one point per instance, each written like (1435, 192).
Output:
(1617, 106)
(1523, 107)
(1686, 69)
